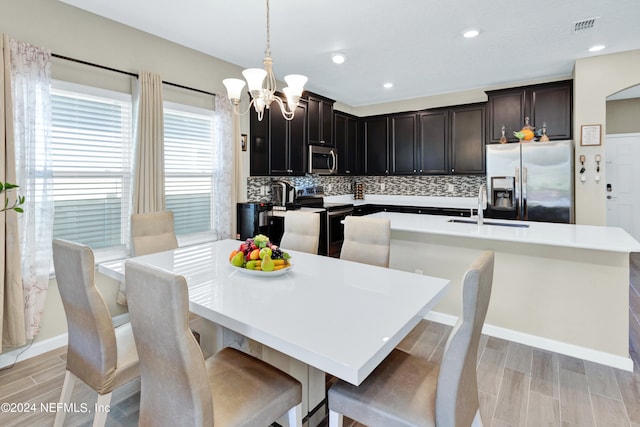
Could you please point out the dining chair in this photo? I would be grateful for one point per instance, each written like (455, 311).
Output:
(408, 390)
(101, 356)
(301, 231)
(152, 232)
(366, 240)
(181, 388)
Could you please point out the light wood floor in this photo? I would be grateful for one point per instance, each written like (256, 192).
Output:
(518, 385)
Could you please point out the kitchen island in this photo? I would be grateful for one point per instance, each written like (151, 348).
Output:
(559, 287)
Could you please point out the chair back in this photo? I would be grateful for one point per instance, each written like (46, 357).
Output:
(366, 240)
(175, 387)
(152, 232)
(301, 231)
(92, 347)
(457, 389)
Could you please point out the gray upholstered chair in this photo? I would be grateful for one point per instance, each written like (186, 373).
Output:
(301, 231)
(152, 232)
(102, 357)
(180, 387)
(407, 390)
(366, 240)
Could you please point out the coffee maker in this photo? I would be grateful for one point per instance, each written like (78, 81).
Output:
(283, 194)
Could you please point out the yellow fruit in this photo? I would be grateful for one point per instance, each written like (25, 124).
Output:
(267, 263)
(264, 252)
(255, 254)
(238, 259)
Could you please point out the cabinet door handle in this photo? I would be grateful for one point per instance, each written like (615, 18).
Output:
(414, 171)
(453, 170)
(348, 171)
(420, 170)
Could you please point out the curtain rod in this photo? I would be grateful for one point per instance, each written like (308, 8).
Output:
(115, 70)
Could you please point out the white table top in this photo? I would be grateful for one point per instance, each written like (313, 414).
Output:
(613, 239)
(341, 317)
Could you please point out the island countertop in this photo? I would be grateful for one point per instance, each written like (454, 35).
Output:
(399, 200)
(612, 239)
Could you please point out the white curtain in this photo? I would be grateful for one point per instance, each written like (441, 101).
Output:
(148, 184)
(11, 294)
(31, 95)
(227, 140)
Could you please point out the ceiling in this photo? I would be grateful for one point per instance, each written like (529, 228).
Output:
(415, 44)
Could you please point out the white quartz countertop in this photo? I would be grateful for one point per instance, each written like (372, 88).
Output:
(613, 239)
(396, 200)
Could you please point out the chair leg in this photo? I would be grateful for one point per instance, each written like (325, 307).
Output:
(295, 416)
(101, 410)
(335, 419)
(477, 420)
(65, 398)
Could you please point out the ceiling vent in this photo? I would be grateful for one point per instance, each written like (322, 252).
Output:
(584, 25)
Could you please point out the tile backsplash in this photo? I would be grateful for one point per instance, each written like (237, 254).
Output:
(433, 185)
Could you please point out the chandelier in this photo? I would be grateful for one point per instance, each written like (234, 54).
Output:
(262, 86)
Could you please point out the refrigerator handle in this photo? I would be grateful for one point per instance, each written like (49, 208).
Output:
(525, 210)
(518, 201)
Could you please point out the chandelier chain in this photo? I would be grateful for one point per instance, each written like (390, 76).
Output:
(267, 51)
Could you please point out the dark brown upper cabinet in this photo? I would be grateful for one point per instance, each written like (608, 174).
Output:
(433, 142)
(376, 137)
(403, 141)
(320, 114)
(348, 140)
(279, 146)
(467, 125)
(549, 103)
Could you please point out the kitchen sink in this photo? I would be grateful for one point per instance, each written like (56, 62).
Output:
(499, 224)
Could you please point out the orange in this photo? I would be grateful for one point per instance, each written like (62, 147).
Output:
(528, 134)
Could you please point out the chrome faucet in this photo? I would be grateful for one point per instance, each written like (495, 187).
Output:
(482, 203)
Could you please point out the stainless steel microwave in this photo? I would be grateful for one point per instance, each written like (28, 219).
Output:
(323, 160)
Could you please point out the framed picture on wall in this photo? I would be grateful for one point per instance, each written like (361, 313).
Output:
(590, 134)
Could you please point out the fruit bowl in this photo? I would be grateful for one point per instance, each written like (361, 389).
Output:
(260, 257)
(261, 273)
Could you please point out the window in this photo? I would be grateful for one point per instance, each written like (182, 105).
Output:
(91, 155)
(189, 168)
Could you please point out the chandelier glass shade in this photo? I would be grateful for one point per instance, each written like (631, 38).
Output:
(262, 86)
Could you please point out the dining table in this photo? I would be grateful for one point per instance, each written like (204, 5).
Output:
(337, 316)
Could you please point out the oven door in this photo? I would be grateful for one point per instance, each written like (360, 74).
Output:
(335, 230)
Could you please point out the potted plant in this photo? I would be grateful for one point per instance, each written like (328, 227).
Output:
(7, 186)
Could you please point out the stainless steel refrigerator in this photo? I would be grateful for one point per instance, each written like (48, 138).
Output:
(531, 181)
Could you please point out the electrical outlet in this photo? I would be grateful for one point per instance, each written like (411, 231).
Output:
(382, 186)
(329, 187)
(450, 189)
(262, 191)
(418, 271)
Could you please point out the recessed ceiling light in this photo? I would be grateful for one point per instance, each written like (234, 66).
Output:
(338, 58)
(471, 33)
(388, 85)
(596, 48)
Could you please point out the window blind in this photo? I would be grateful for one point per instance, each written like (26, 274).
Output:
(91, 152)
(189, 168)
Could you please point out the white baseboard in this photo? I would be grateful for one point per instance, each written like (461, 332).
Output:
(36, 349)
(608, 359)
